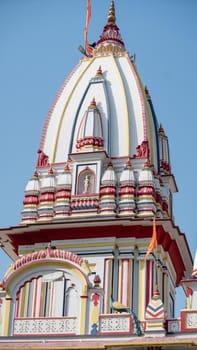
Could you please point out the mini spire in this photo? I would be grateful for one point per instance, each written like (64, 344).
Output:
(93, 103)
(67, 167)
(50, 172)
(161, 130)
(99, 72)
(111, 15)
(128, 164)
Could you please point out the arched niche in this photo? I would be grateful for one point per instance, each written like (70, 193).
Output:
(47, 284)
(86, 182)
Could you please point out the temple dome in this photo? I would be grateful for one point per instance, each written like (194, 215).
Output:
(124, 120)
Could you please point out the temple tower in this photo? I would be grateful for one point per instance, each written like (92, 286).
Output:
(103, 173)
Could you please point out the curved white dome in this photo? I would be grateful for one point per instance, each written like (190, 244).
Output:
(32, 185)
(109, 76)
(102, 115)
(127, 176)
(64, 179)
(109, 176)
(146, 175)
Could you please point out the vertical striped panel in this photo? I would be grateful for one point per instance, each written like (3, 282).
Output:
(34, 296)
(30, 299)
(160, 147)
(159, 274)
(46, 298)
(141, 304)
(124, 282)
(120, 284)
(64, 312)
(21, 301)
(148, 281)
(136, 285)
(18, 302)
(24, 295)
(166, 291)
(132, 283)
(58, 298)
(42, 292)
(129, 283)
(6, 316)
(153, 279)
(107, 285)
(50, 295)
(38, 295)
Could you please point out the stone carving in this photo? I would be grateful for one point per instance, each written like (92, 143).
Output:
(87, 184)
(42, 159)
(46, 254)
(115, 324)
(47, 326)
(142, 150)
(191, 320)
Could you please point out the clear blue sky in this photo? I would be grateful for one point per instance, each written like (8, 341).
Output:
(39, 42)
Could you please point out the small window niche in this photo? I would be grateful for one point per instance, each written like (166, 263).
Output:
(86, 182)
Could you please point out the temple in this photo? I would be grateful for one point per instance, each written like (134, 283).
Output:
(102, 184)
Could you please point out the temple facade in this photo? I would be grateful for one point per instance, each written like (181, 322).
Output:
(102, 184)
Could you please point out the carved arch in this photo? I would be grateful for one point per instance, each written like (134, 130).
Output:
(86, 182)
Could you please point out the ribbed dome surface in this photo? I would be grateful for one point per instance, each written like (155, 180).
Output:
(101, 122)
(109, 76)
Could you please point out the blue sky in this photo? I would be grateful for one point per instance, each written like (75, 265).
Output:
(39, 42)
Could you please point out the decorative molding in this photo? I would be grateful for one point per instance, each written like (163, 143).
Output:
(115, 323)
(173, 326)
(49, 326)
(188, 320)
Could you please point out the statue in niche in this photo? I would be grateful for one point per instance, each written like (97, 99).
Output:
(42, 159)
(143, 150)
(87, 184)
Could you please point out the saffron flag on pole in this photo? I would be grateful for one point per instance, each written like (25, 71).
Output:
(153, 242)
(87, 46)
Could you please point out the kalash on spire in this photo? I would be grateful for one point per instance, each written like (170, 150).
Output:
(86, 262)
(110, 40)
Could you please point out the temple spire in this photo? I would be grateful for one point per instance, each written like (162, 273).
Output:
(111, 15)
(110, 39)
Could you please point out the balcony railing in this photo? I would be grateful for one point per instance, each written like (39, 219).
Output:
(45, 326)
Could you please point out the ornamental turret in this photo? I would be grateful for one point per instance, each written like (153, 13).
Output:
(90, 134)
(108, 191)
(146, 192)
(127, 205)
(31, 200)
(63, 193)
(47, 197)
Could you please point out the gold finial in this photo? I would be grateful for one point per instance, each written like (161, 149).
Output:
(111, 16)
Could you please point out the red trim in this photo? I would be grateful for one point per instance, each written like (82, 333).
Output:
(46, 233)
(44, 334)
(50, 113)
(183, 321)
(141, 99)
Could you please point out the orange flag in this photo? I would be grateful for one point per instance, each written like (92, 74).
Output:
(88, 48)
(153, 242)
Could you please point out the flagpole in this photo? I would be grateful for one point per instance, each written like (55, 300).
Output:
(88, 16)
(153, 242)
(153, 246)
